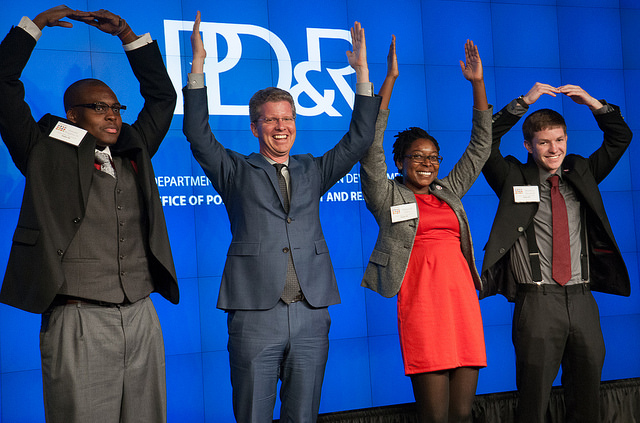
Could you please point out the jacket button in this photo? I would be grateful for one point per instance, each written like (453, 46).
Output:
(289, 220)
(60, 252)
(76, 220)
(520, 229)
(285, 250)
(501, 250)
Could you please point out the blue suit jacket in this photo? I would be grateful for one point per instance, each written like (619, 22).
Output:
(262, 232)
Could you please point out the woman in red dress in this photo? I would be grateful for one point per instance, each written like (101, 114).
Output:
(424, 253)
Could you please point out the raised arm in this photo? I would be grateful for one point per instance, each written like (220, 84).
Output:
(617, 135)
(496, 167)
(358, 56)
(392, 74)
(199, 53)
(18, 128)
(373, 167)
(467, 169)
(473, 72)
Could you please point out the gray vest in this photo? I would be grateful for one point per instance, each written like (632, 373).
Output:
(107, 258)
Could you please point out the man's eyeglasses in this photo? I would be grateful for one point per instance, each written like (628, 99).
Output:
(421, 158)
(102, 108)
(272, 121)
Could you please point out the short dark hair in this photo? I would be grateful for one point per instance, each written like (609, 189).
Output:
(405, 139)
(540, 120)
(73, 92)
(266, 95)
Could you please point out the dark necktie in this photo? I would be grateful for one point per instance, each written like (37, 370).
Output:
(292, 291)
(104, 161)
(282, 183)
(561, 264)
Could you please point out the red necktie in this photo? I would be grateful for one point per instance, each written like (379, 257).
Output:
(561, 264)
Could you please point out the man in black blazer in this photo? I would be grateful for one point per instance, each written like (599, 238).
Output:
(91, 242)
(556, 319)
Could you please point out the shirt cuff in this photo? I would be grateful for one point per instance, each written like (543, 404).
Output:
(364, 88)
(195, 80)
(31, 28)
(142, 41)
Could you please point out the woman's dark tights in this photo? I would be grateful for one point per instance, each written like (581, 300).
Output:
(445, 396)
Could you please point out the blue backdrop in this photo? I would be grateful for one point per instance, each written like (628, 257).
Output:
(300, 46)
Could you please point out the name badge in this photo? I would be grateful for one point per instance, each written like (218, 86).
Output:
(68, 133)
(404, 212)
(526, 194)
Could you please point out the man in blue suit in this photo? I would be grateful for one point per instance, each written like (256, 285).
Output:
(278, 279)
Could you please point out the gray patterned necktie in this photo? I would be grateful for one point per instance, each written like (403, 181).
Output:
(292, 291)
(104, 161)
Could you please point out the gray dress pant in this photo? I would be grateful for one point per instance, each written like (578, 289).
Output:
(103, 364)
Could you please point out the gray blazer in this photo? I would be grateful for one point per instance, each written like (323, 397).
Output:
(390, 256)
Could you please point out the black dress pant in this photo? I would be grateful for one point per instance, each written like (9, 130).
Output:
(553, 326)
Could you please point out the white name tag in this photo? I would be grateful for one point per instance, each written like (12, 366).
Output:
(404, 212)
(526, 194)
(68, 133)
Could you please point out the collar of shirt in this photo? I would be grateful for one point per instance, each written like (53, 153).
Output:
(544, 175)
(106, 150)
(272, 162)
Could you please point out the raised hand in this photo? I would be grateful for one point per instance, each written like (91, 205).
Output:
(392, 74)
(537, 90)
(53, 16)
(110, 23)
(392, 59)
(580, 96)
(199, 53)
(358, 57)
(472, 67)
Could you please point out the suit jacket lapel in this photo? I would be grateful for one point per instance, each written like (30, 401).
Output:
(258, 160)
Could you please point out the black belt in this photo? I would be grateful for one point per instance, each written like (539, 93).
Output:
(67, 300)
(547, 288)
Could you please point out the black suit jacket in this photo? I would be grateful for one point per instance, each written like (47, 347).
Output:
(607, 271)
(59, 176)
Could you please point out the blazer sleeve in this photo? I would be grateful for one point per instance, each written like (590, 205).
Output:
(337, 162)
(18, 128)
(214, 159)
(496, 168)
(159, 95)
(373, 168)
(617, 137)
(468, 168)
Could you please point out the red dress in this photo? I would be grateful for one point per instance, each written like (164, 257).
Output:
(439, 319)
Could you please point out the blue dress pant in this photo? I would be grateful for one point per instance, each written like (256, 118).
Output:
(289, 343)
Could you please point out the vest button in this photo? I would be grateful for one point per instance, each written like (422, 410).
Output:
(285, 250)
(60, 252)
(76, 220)
(289, 220)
